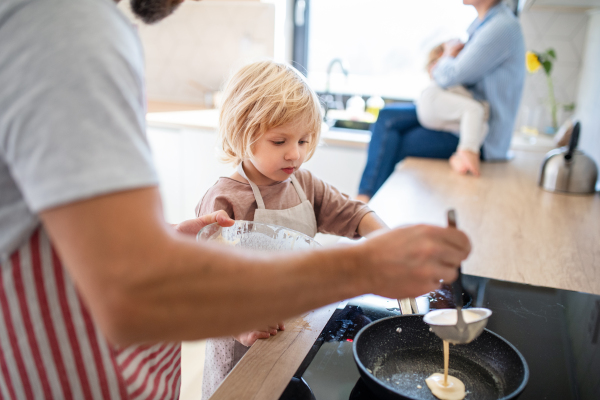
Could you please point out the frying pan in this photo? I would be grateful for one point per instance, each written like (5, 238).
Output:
(394, 363)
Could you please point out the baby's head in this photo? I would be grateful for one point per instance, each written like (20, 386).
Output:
(434, 55)
(262, 97)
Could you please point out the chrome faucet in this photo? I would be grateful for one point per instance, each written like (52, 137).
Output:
(328, 98)
(330, 67)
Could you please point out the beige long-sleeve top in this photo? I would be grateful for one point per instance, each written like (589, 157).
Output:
(336, 212)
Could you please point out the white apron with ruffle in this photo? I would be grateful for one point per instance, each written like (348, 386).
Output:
(222, 354)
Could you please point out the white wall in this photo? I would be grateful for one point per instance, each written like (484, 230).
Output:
(565, 32)
(589, 91)
(284, 29)
(193, 51)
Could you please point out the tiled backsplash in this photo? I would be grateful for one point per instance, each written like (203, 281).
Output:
(565, 32)
(191, 53)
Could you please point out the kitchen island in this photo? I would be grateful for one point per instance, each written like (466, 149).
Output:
(519, 232)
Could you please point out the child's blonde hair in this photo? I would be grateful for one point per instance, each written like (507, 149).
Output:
(434, 55)
(261, 96)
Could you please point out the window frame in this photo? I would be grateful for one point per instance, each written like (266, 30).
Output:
(301, 32)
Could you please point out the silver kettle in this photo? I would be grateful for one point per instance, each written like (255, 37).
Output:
(569, 170)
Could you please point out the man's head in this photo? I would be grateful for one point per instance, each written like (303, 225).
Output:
(151, 11)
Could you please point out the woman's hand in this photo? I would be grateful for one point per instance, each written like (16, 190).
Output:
(464, 161)
(452, 48)
(193, 226)
(248, 338)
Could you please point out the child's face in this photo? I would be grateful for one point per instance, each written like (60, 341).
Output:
(279, 152)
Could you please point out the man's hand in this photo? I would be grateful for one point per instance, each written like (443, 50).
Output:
(452, 48)
(464, 161)
(248, 338)
(408, 262)
(193, 226)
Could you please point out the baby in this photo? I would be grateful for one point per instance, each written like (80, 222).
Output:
(269, 125)
(454, 110)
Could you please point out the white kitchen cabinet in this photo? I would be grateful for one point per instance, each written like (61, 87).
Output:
(341, 166)
(187, 166)
(166, 145)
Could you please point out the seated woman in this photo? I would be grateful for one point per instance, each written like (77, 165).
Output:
(491, 65)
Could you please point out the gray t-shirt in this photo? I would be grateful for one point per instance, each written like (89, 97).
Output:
(71, 109)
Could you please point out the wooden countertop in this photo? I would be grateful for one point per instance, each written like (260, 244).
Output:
(267, 368)
(171, 115)
(519, 232)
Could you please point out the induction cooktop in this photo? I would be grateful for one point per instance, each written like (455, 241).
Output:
(557, 331)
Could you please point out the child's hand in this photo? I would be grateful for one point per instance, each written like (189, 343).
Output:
(193, 226)
(248, 338)
(464, 161)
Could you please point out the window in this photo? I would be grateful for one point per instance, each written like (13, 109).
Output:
(383, 43)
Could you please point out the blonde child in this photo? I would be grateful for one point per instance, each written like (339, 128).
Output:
(454, 110)
(269, 126)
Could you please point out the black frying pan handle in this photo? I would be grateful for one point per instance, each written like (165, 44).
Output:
(457, 287)
(573, 141)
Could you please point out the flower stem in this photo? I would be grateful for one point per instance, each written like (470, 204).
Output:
(552, 102)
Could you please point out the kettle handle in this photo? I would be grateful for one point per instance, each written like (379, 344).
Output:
(573, 141)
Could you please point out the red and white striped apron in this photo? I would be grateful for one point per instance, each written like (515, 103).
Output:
(50, 347)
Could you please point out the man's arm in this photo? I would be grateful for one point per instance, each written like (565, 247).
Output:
(144, 282)
(488, 49)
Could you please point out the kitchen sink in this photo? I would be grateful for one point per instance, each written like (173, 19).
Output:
(348, 124)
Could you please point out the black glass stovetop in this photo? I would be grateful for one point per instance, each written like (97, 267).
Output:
(557, 331)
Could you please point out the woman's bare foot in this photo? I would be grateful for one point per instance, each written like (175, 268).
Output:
(457, 164)
(363, 197)
(464, 161)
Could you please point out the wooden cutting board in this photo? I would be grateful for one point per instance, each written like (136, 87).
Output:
(267, 368)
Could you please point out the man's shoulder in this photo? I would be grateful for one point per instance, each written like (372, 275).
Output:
(59, 12)
(76, 25)
(61, 51)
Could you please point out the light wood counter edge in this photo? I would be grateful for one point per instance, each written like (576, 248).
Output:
(329, 138)
(267, 368)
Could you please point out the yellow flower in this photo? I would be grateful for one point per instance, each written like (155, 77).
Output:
(532, 61)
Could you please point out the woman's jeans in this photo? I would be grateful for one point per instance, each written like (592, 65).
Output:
(397, 135)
